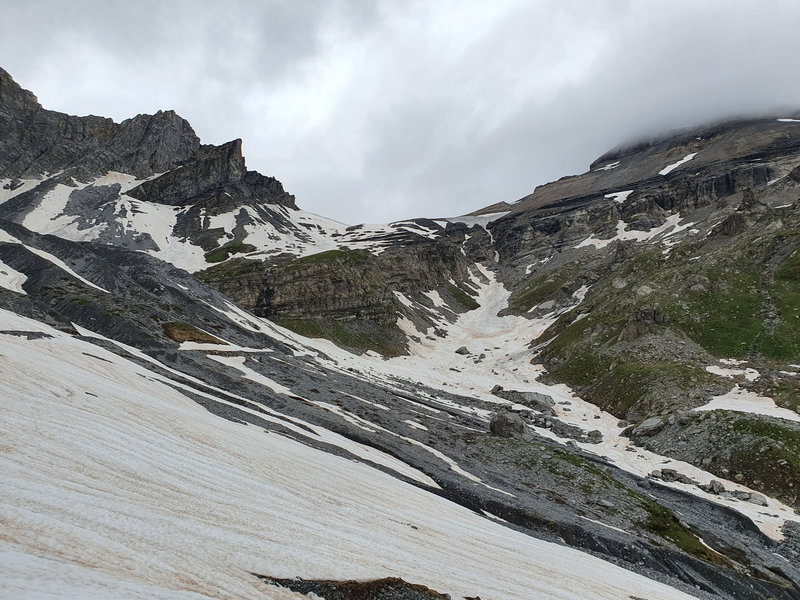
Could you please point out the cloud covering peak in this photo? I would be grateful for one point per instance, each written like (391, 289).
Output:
(376, 111)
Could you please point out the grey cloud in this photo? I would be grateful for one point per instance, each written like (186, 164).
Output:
(371, 111)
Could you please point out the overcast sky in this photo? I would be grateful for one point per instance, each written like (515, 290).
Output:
(372, 111)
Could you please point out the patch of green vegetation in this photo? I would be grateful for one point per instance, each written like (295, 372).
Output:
(462, 297)
(765, 452)
(388, 341)
(235, 269)
(725, 318)
(789, 439)
(786, 395)
(790, 268)
(540, 289)
(662, 522)
(224, 252)
(617, 384)
(782, 342)
(347, 256)
(183, 332)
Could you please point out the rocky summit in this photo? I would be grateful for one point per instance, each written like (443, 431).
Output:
(590, 392)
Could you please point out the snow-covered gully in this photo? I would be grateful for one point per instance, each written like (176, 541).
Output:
(504, 343)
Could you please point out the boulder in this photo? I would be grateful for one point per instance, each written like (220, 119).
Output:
(649, 427)
(536, 401)
(463, 351)
(756, 498)
(669, 474)
(716, 487)
(507, 424)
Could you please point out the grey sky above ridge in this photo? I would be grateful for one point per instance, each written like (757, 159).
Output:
(372, 111)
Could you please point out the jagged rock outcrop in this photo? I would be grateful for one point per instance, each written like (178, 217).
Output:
(217, 180)
(34, 140)
(336, 285)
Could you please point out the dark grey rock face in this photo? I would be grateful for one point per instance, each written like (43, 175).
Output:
(390, 588)
(95, 205)
(216, 179)
(538, 402)
(34, 140)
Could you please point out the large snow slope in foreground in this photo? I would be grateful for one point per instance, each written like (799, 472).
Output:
(117, 485)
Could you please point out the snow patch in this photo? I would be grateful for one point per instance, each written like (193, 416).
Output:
(748, 374)
(619, 197)
(631, 234)
(668, 169)
(11, 279)
(238, 363)
(740, 400)
(480, 220)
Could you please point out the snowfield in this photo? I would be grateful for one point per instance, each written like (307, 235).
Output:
(115, 484)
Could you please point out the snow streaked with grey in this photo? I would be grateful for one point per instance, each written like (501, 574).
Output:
(609, 166)
(667, 228)
(745, 401)
(11, 279)
(117, 485)
(272, 229)
(8, 238)
(670, 168)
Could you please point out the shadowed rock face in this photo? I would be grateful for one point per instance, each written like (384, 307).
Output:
(390, 588)
(216, 179)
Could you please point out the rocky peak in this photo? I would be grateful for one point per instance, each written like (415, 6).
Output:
(35, 141)
(217, 179)
(148, 144)
(13, 97)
